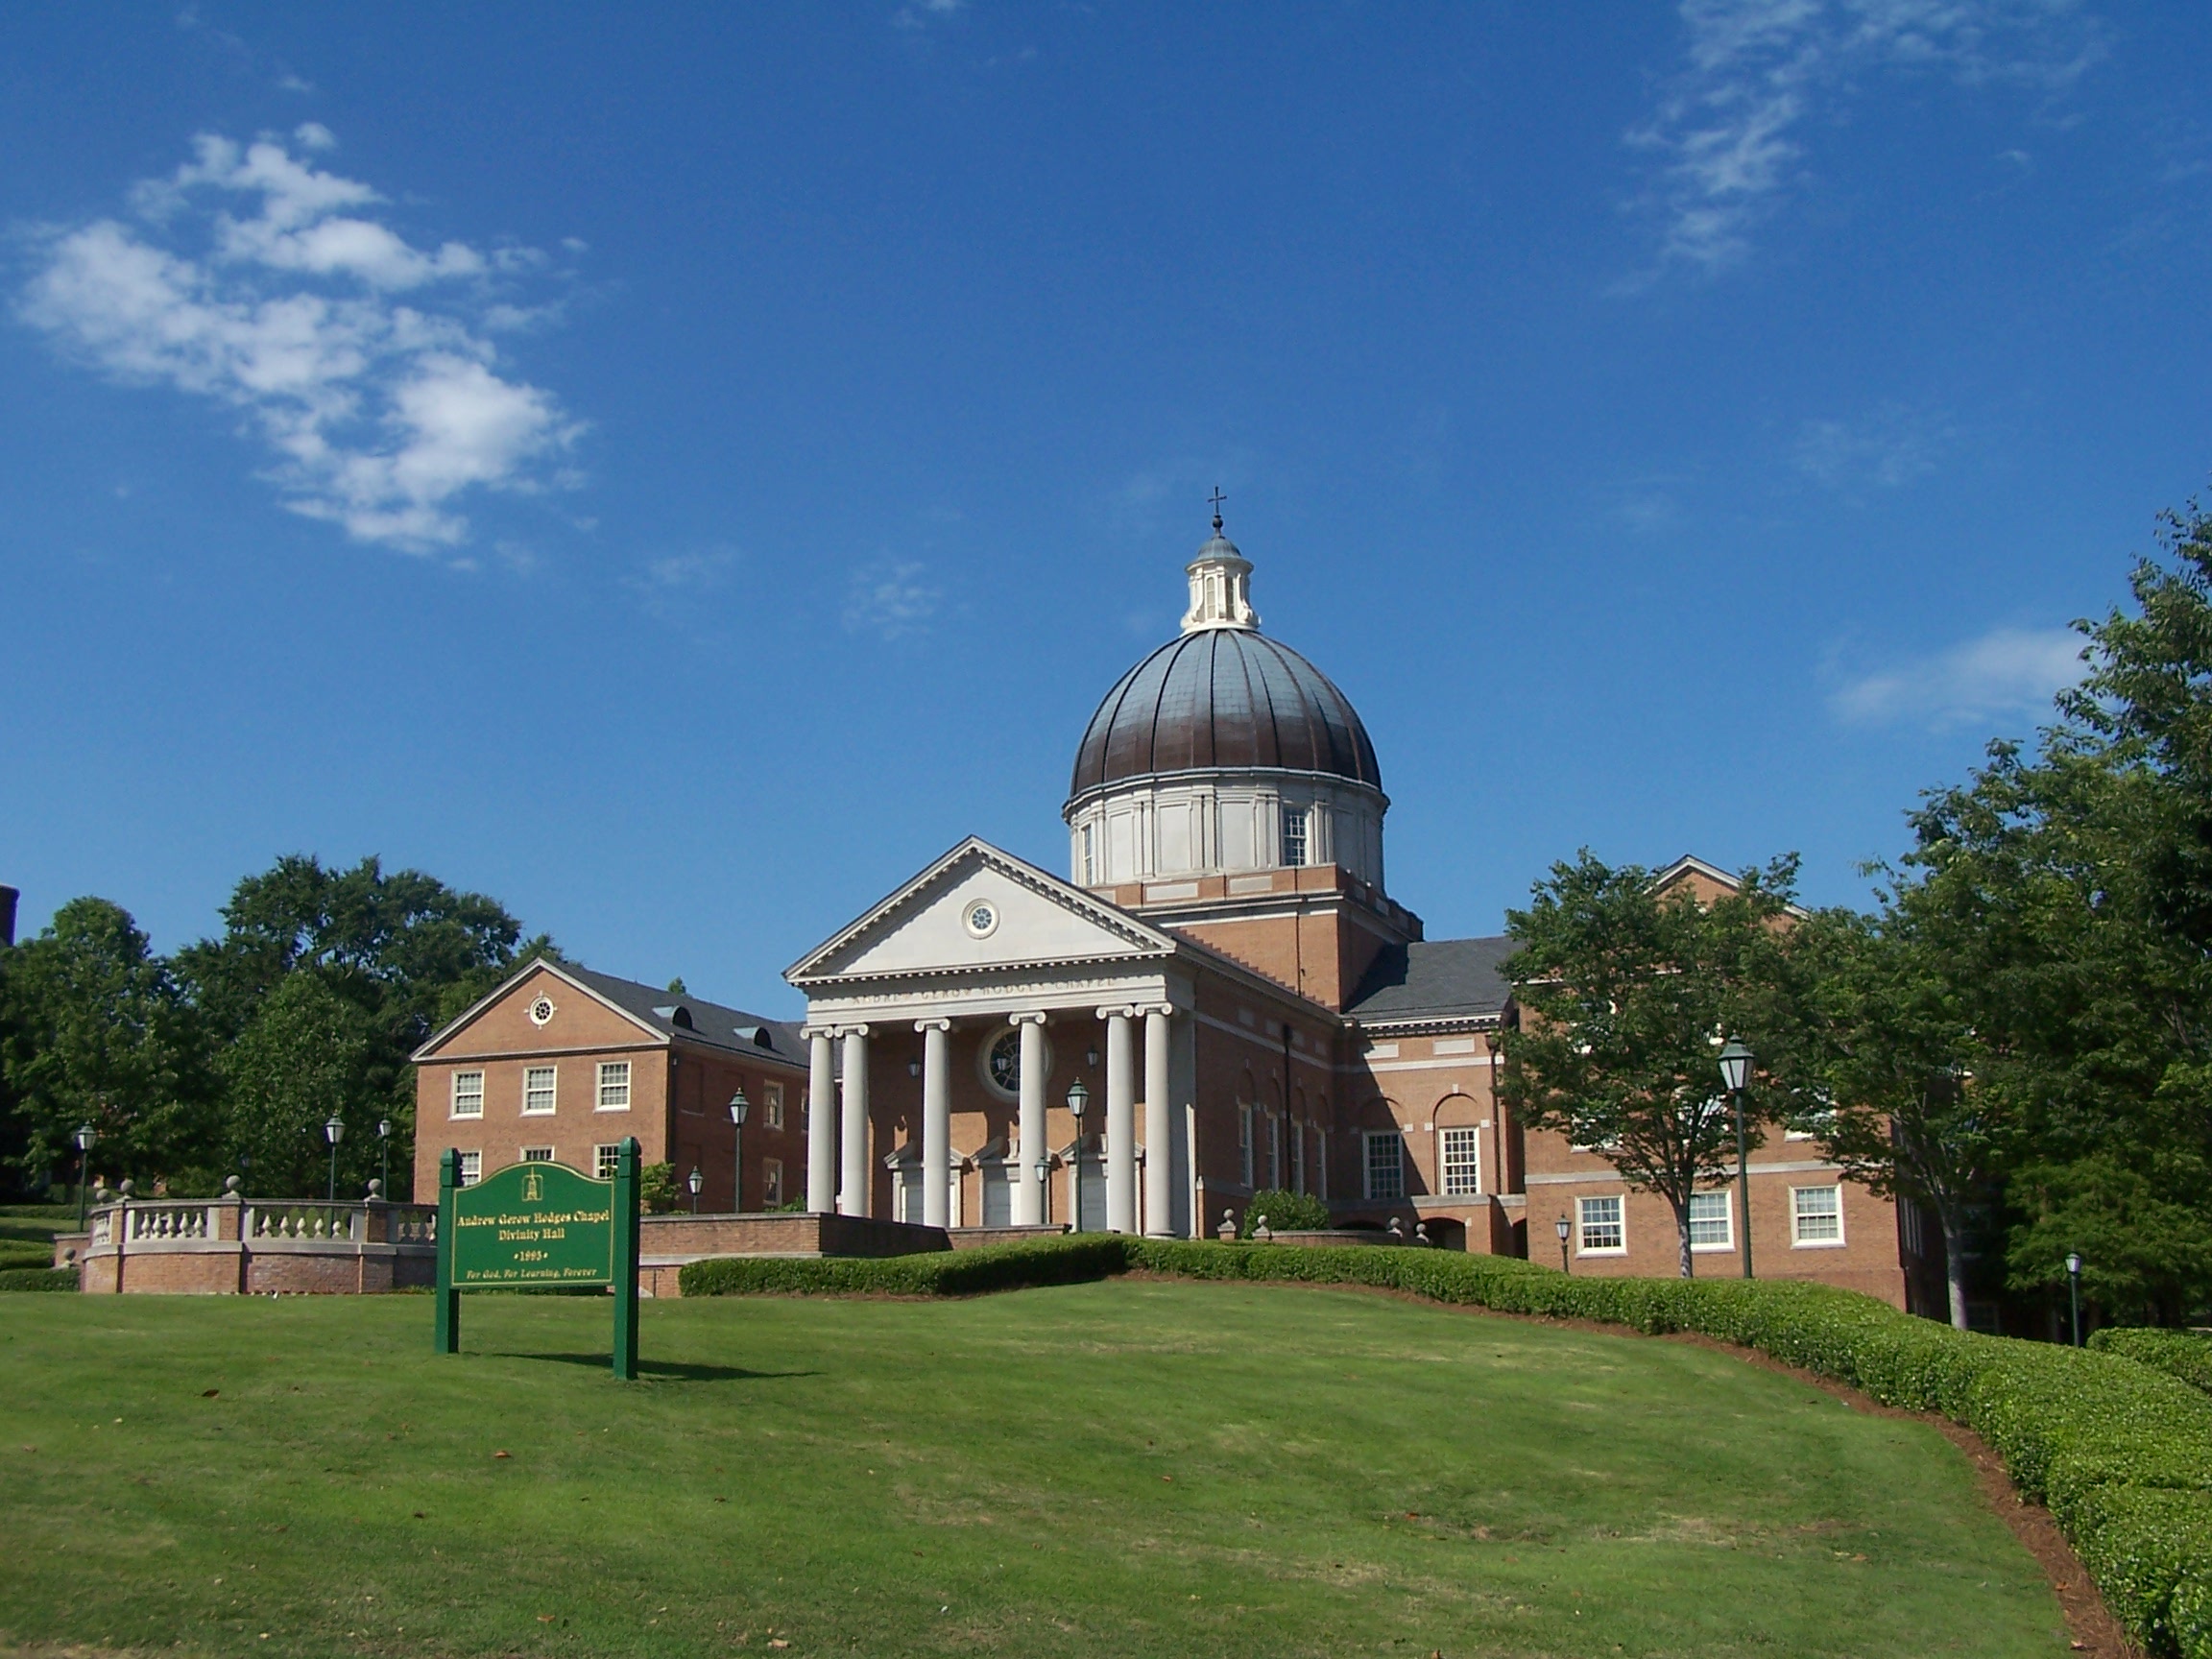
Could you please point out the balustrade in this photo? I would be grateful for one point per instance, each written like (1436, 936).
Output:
(157, 1221)
(306, 1219)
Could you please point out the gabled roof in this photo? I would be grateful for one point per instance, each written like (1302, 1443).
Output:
(1434, 980)
(664, 1014)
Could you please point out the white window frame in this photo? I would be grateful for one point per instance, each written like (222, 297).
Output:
(552, 1091)
(1462, 1170)
(537, 1155)
(1274, 1152)
(1585, 1225)
(1370, 1166)
(470, 1168)
(1799, 1219)
(610, 1081)
(1244, 1144)
(771, 1183)
(772, 1104)
(1090, 839)
(606, 1157)
(1725, 1200)
(457, 1094)
(1297, 836)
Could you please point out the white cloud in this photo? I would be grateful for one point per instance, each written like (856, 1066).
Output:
(1728, 129)
(2005, 672)
(890, 598)
(1886, 449)
(381, 414)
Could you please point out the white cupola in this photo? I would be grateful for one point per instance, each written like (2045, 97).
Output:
(1220, 587)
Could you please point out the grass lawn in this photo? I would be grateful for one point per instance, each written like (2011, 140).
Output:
(27, 1232)
(1119, 1468)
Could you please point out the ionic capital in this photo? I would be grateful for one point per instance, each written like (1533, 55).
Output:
(932, 1024)
(1025, 1018)
(1120, 1011)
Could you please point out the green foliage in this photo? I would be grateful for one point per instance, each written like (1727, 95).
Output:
(1067, 1261)
(39, 1279)
(301, 1059)
(1626, 991)
(657, 1188)
(1285, 1210)
(94, 1030)
(2183, 1353)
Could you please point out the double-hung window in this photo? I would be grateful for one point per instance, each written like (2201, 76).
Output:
(536, 1154)
(773, 1104)
(604, 1158)
(613, 1085)
(1244, 1143)
(1387, 1166)
(1815, 1214)
(1294, 825)
(537, 1087)
(1711, 1219)
(471, 1168)
(1462, 1163)
(468, 1093)
(771, 1182)
(1274, 1151)
(1604, 1232)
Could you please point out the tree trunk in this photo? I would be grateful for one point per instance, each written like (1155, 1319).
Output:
(1955, 1271)
(1682, 1233)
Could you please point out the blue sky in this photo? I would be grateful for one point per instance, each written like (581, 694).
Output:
(679, 474)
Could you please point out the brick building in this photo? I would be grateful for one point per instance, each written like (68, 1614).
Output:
(561, 1063)
(1225, 986)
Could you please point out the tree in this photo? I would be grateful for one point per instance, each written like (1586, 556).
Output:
(94, 1030)
(402, 949)
(1895, 1051)
(300, 1062)
(1626, 994)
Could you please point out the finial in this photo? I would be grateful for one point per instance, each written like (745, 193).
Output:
(1217, 498)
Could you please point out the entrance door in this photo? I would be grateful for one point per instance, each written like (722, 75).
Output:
(997, 1195)
(1092, 1194)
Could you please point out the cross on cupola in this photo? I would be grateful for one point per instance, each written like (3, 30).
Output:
(1220, 583)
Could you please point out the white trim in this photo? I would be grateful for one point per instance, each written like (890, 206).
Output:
(1609, 1173)
(530, 1071)
(1796, 1239)
(603, 1157)
(472, 1166)
(454, 1095)
(1444, 1163)
(600, 1102)
(1620, 1201)
(1367, 1140)
(534, 1154)
(1727, 1198)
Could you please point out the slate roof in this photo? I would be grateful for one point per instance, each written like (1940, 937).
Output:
(1433, 979)
(731, 1030)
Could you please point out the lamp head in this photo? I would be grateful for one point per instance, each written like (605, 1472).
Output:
(85, 1137)
(383, 1128)
(1078, 1097)
(2074, 1263)
(1044, 1169)
(739, 1108)
(1735, 1066)
(334, 1131)
(913, 1068)
(1561, 1228)
(695, 1180)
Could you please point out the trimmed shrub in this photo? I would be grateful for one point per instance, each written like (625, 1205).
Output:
(39, 1279)
(2183, 1353)
(1067, 1261)
(1285, 1212)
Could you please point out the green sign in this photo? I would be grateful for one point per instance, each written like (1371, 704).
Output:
(540, 1224)
(533, 1224)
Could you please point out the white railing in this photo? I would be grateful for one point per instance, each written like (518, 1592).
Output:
(414, 1224)
(306, 1219)
(155, 1222)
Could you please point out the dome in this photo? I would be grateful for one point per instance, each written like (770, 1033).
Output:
(1223, 697)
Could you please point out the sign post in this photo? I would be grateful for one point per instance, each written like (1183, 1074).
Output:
(540, 1224)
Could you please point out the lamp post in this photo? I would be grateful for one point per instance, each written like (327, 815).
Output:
(1736, 1074)
(1562, 1228)
(694, 1180)
(1044, 1167)
(2074, 1291)
(85, 1137)
(739, 1109)
(384, 1152)
(1078, 1097)
(333, 1131)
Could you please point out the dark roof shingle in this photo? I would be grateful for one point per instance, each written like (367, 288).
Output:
(1434, 980)
(718, 1028)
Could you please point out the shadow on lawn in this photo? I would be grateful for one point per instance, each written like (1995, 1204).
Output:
(672, 1370)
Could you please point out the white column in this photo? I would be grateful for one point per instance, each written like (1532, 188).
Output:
(936, 1124)
(1029, 1196)
(821, 1122)
(857, 1183)
(1120, 1120)
(1159, 1135)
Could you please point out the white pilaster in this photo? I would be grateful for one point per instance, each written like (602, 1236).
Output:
(857, 1171)
(1159, 1156)
(1029, 1196)
(821, 1122)
(936, 1124)
(1121, 1119)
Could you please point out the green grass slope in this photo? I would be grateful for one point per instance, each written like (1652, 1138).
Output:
(1122, 1467)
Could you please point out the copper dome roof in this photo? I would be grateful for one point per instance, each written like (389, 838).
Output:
(1223, 697)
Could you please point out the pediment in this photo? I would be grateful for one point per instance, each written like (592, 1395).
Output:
(933, 925)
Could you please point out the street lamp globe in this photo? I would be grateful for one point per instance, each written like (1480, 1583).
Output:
(1562, 1228)
(739, 1108)
(1078, 1097)
(1735, 1066)
(85, 1137)
(2074, 1263)
(334, 1131)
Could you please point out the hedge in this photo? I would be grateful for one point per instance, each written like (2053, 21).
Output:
(2183, 1353)
(37, 1279)
(2120, 1452)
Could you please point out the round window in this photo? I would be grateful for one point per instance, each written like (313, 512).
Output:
(999, 1062)
(541, 1011)
(981, 919)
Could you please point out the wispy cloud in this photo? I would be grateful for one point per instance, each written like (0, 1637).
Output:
(254, 279)
(891, 600)
(2008, 672)
(673, 583)
(922, 13)
(1729, 130)
(1890, 447)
